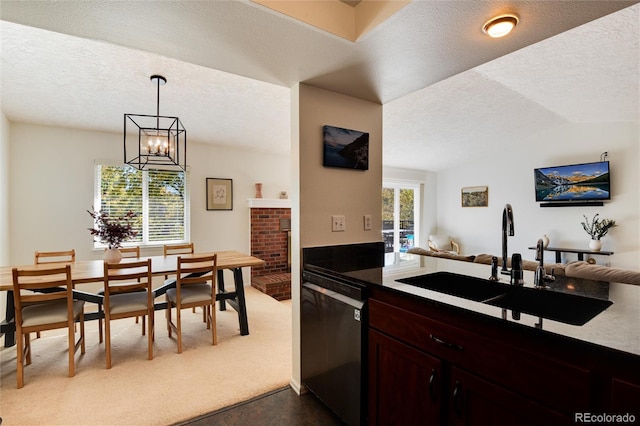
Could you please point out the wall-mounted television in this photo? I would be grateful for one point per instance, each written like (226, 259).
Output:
(585, 182)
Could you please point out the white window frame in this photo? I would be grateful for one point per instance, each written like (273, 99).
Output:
(97, 201)
(397, 185)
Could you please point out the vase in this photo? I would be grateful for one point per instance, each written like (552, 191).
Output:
(595, 245)
(258, 190)
(112, 255)
(545, 241)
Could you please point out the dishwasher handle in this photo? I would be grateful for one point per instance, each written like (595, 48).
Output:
(358, 304)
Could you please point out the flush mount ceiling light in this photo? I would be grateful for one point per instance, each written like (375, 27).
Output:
(161, 141)
(500, 26)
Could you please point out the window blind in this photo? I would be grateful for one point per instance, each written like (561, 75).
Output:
(158, 197)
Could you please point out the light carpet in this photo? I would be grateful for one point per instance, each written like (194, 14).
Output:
(170, 388)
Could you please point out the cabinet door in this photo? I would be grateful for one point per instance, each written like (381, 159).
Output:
(475, 401)
(405, 385)
(625, 398)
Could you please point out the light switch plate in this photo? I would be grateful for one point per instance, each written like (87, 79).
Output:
(367, 222)
(338, 223)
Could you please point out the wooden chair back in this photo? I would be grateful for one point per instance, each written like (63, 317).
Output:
(126, 278)
(186, 248)
(66, 256)
(43, 285)
(196, 270)
(130, 251)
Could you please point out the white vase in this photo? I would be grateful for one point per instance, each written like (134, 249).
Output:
(545, 241)
(595, 245)
(112, 256)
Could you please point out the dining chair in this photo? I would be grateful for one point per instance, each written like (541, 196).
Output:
(186, 248)
(65, 256)
(127, 252)
(128, 293)
(130, 251)
(195, 287)
(43, 300)
(43, 257)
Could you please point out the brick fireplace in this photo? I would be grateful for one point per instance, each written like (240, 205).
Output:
(270, 241)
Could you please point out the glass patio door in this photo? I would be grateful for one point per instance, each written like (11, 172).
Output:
(400, 209)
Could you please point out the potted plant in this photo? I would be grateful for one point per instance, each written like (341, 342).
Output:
(597, 229)
(112, 232)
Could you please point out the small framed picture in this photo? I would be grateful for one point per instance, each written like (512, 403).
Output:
(219, 194)
(475, 196)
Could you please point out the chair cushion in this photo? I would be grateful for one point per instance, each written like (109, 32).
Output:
(128, 302)
(191, 294)
(581, 269)
(440, 242)
(49, 312)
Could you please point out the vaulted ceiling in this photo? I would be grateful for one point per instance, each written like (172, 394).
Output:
(447, 89)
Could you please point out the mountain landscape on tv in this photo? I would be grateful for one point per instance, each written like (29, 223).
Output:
(581, 182)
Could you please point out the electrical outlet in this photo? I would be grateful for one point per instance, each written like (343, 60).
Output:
(367, 222)
(338, 223)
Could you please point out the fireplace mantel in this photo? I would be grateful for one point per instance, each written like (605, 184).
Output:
(269, 203)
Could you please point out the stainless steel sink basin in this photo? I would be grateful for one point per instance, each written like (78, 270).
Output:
(563, 307)
(567, 308)
(464, 286)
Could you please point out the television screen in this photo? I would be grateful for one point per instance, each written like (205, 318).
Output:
(575, 182)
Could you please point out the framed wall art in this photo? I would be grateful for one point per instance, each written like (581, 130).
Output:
(219, 194)
(345, 148)
(475, 196)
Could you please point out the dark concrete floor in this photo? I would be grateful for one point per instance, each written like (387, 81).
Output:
(282, 407)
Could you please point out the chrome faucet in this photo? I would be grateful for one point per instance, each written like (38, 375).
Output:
(541, 278)
(507, 225)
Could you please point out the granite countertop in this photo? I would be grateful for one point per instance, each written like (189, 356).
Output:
(617, 327)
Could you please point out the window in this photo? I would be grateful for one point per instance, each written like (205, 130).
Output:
(159, 197)
(400, 210)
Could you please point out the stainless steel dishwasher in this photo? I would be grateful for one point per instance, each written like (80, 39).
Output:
(332, 341)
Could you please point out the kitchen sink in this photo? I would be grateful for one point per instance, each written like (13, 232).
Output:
(464, 286)
(567, 308)
(563, 307)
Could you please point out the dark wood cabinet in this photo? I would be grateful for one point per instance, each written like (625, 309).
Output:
(395, 368)
(625, 397)
(432, 364)
(474, 401)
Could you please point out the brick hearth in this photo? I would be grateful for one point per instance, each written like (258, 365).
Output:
(271, 244)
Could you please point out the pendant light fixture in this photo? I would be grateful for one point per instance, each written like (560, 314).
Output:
(500, 26)
(161, 141)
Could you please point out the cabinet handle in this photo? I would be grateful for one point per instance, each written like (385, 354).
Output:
(432, 385)
(457, 399)
(443, 343)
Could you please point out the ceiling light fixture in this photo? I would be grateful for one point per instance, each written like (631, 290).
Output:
(161, 141)
(500, 26)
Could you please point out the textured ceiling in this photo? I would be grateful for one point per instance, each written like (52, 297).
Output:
(229, 66)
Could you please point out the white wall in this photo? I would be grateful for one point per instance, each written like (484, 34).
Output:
(4, 198)
(323, 191)
(4, 189)
(52, 183)
(509, 176)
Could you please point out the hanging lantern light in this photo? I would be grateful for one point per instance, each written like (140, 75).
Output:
(161, 141)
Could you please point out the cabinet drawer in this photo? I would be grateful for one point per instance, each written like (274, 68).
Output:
(518, 365)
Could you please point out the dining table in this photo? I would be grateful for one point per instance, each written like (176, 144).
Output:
(92, 271)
